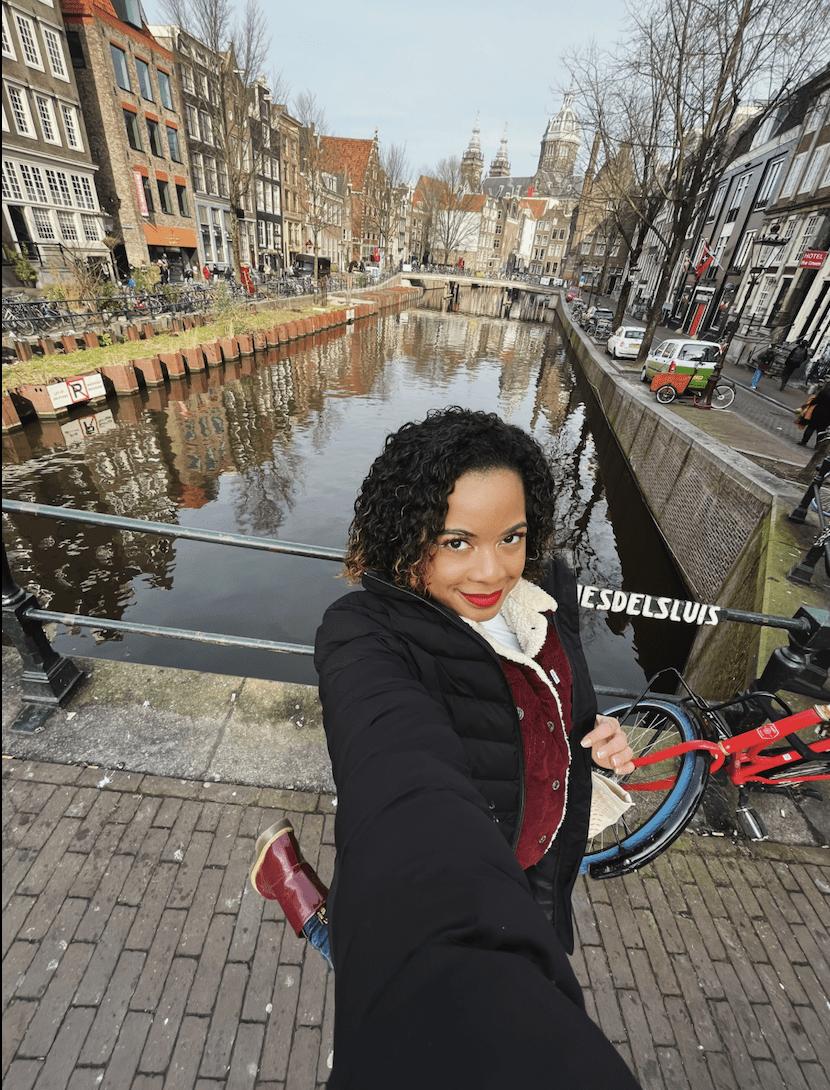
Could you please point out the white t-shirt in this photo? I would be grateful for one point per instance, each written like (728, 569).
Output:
(498, 629)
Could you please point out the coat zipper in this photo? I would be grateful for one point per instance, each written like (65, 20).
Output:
(517, 727)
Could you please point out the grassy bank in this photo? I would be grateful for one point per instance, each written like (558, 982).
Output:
(43, 369)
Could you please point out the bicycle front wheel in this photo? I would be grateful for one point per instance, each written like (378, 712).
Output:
(723, 396)
(666, 394)
(666, 795)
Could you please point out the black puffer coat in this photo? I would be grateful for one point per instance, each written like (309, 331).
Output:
(388, 654)
(447, 975)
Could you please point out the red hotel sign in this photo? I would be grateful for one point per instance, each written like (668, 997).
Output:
(812, 259)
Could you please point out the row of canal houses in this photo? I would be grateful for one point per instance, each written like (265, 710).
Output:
(124, 144)
(755, 267)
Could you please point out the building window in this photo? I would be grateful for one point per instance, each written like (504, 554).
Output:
(181, 196)
(148, 192)
(20, 111)
(816, 164)
(54, 49)
(82, 189)
(119, 64)
(789, 185)
(58, 187)
(222, 173)
(165, 93)
(186, 77)
(768, 184)
(47, 120)
(33, 183)
(8, 48)
(11, 187)
(90, 226)
(191, 121)
(165, 203)
(76, 49)
(43, 224)
(210, 175)
(133, 131)
(72, 128)
(155, 138)
(207, 128)
(68, 227)
(196, 172)
(145, 84)
(173, 144)
(26, 33)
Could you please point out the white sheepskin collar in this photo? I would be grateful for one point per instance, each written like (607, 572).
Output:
(523, 610)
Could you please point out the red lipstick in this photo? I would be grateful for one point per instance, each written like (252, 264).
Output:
(483, 601)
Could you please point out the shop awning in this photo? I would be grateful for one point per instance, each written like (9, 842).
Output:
(169, 236)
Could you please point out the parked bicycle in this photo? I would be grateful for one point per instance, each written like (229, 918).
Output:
(669, 385)
(755, 736)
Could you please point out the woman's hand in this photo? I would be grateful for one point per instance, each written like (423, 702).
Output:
(609, 746)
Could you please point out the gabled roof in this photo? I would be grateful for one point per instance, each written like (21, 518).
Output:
(535, 206)
(341, 153)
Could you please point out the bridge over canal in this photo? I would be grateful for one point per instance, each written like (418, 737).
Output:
(494, 297)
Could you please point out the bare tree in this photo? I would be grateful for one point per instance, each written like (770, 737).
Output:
(395, 166)
(670, 94)
(237, 50)
(449, 217)
(310, 113)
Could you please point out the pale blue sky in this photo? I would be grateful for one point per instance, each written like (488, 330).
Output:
(421, 71)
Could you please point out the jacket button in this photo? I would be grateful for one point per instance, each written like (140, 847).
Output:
(551, 727)
(520, 713)
(542, 839)
(556, 785)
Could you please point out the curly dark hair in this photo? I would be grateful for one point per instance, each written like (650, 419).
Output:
(402, 505)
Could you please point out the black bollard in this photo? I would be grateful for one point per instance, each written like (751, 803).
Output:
(48, 678)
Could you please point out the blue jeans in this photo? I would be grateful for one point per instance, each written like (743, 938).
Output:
(756, 378)
(317, 933)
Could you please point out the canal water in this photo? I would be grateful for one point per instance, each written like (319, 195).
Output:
(280, 452)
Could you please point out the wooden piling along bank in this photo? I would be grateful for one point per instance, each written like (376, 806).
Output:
(56, 398)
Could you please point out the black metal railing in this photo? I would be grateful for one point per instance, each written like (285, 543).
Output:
(49, 678)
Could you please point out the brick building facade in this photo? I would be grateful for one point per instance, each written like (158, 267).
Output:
(129, 96)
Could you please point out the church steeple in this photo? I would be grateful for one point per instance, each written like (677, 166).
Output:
(472, 162)
(500, 167)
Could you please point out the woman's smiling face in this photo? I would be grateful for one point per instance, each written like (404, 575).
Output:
(480, 555)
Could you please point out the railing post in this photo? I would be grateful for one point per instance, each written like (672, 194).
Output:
(802, 572)
(800, 512)
(48, 678)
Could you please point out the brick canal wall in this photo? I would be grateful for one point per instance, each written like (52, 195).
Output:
(91, 386)
(713, 507)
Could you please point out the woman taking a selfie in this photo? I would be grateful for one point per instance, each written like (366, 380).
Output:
(463, 728)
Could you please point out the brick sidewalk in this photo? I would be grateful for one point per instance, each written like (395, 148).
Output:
(137, 957)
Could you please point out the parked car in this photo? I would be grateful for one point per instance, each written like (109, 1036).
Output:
(685, 357)
(573, 293)
(624, 343)
(595, 314)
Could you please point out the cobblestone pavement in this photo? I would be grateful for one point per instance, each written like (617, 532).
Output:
(136, 956)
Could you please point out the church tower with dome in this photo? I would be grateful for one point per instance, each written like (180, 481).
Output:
(557, 158)
(472, 162)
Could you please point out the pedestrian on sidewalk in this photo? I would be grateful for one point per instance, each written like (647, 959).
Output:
(814, 415)
(794, 360)
(763, 362)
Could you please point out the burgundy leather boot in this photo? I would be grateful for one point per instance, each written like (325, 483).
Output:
(281, 874)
